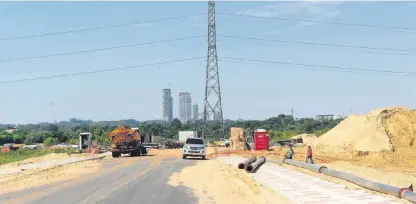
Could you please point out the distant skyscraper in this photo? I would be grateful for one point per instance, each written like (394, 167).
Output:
(167, 104)
(185, 107)
(195, 112)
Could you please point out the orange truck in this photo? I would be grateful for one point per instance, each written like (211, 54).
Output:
(126, 140)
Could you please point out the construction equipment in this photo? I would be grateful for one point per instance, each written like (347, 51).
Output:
(126, 140)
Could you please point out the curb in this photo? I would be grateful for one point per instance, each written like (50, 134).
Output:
(55, 166)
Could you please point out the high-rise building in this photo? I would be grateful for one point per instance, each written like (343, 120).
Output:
(185, 107)
(167, 103)
(195, 112)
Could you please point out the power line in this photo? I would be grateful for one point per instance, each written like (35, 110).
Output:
(101, 49)
(245, 60)
(198, 36)
(323, 66)
(313, 68)
(323, 22)
(97, 28)
(317, 44)
(99, 71)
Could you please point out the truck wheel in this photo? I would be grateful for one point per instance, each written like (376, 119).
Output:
(183, 157)
(114, 154)
(203, 157)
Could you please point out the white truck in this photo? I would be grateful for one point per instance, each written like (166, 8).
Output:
(184, 135)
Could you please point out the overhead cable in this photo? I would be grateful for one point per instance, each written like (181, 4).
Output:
(391, 72)
(99, 71)
(100, 49)
(97, 28)
(323, 22)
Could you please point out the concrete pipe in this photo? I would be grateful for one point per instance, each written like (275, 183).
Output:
(253, 166)
(248, 161)
(313, 167)
(379, 187)
(410, 196)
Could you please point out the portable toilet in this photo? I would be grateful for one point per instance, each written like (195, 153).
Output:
(261, 139)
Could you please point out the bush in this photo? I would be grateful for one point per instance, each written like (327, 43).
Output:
(50, 141)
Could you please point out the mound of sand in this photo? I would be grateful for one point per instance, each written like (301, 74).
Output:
(381, 130)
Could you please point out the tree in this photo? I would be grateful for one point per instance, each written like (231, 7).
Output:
(50, 141)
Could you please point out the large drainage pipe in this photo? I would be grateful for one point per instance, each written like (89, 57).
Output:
(313, 167)
(253, 166)
(383, 188)
(245, 163)
(406, 193)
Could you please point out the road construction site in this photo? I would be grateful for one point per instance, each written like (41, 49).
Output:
(375, 150)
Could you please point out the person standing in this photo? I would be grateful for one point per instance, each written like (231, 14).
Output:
(290, 153)
(309, 154)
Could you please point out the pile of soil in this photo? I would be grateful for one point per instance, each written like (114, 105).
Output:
(388, 132)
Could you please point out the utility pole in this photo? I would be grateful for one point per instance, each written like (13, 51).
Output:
(291, 112)
(212, 103)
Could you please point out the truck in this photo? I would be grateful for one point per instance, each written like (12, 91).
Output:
(184, 135)
(126, 140)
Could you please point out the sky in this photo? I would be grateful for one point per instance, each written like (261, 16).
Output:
(249, 90)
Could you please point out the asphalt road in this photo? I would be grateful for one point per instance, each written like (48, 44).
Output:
(121, 180)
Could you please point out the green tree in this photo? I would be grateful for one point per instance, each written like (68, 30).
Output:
(50, 141)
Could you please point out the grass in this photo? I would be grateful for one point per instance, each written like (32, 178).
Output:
(22, 154)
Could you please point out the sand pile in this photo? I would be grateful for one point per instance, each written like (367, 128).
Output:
(381, 130)
(237, 138)
(223, 184)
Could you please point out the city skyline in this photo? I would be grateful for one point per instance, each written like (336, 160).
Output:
(304, 69)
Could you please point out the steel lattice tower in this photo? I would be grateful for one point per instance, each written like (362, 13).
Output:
(212, 103)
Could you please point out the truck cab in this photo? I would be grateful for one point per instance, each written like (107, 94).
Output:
(194, 147)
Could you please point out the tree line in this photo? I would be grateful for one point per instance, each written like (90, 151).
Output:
(280, 127)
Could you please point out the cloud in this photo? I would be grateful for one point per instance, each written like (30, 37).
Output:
(314, 11)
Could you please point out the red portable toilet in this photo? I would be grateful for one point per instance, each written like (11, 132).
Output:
(261, 139)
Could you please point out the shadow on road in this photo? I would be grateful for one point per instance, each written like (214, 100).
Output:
(196, 158)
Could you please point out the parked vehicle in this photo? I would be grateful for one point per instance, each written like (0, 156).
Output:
(194, 147)
(126, 141)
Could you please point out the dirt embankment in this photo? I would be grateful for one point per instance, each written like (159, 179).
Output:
(48, 157)
(10, 183)
(221, 183)
(383, 137)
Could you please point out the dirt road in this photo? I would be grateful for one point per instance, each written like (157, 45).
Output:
(161, 177)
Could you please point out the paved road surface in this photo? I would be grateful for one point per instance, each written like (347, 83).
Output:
(302, 188)
(122, 180)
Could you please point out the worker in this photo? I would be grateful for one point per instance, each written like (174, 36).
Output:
(309, 154)
(290, 153)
